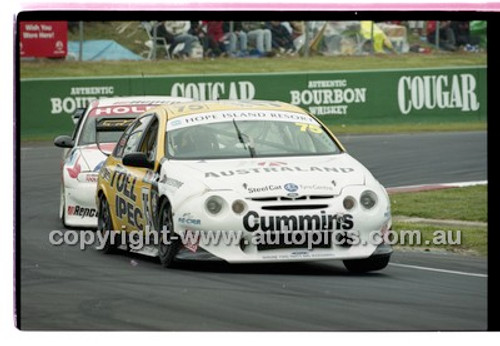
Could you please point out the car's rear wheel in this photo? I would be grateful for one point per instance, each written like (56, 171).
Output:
(367, 264)
(169, 243)
(105, 227)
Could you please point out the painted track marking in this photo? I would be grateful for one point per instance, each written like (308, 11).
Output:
(438, 270)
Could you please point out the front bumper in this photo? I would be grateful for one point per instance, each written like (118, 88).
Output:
(80, 206)
(227, 235)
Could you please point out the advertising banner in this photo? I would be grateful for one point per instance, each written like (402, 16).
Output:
(357, 96)
(43, 39)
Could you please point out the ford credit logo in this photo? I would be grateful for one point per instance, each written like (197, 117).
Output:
(290, 187)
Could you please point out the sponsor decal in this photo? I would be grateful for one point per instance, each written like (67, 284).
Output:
(81, 211)
(127, 211)
(229, 173)
(125, 199)
(149, 177)
(118, 110)
(303, 120)
(148, 205)
(272, 163)
(265, 188)
(252, 222)
(105, 174)
(441, 91)
(91, 178)
(172, 182)
(188, 219)
(327, 97)
(76, 169)
(191, 241)
(291, 187)
(316, 187)
(124, 184)
(175, 122)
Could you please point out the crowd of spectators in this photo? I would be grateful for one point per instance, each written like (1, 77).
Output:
(274, 38)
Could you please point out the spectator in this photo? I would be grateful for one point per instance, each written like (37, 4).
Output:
(297, 28)
(198, 30)
(462, 34)
(281, 38)
(226, 41)
(178, 32)
(259, 36)
(446, 35)
(237, 38)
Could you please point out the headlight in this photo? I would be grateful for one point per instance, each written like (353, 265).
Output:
(349, 202)
(368, 199)
(214, 205)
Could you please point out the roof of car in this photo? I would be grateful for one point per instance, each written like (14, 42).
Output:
(197, 107)
(138, 100)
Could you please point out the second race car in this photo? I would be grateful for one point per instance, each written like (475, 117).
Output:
(82, 158)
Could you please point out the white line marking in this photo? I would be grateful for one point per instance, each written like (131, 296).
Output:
(457, 184)
(438, 270)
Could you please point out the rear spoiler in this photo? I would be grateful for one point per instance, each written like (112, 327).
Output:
(114, 124)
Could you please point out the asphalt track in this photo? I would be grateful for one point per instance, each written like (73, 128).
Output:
(63, 288)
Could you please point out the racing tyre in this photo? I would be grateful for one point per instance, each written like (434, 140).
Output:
(62, 208)
(367, 264)
(167, 251)
(105, 225)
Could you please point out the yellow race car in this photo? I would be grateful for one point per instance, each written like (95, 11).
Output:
(242, 181)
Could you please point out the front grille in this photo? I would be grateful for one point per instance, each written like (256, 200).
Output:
(301, 198)
(295, 207)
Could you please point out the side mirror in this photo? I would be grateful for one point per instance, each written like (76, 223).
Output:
(64, 142)
(137, 160)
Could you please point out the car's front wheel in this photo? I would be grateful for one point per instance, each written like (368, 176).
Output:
(367, 264)
(169, 243)
(62, 208)
(105, 227)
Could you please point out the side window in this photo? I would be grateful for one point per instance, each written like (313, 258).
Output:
(130, 140)
(150, 142)
(120, 145)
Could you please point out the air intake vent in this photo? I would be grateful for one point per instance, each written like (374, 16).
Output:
(295, 207)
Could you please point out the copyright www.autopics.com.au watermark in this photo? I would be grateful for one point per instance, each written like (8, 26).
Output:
(136, 240)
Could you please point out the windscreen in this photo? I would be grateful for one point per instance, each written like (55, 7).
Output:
(246, 134)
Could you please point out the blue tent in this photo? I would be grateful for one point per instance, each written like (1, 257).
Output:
(95, 50)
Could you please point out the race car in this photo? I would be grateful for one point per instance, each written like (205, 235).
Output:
(241, 181)
(82, 158)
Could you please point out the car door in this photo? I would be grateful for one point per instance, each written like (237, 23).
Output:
(122, 194)
(146, 179)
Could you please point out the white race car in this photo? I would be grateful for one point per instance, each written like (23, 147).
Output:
(256, 181)
(82, 158)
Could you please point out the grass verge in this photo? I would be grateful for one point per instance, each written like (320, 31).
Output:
(471, 240)
(461, 204)
(55, 68)
(465, 204)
